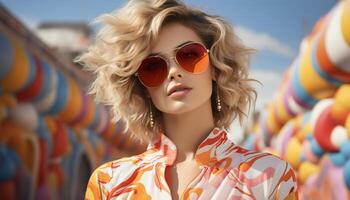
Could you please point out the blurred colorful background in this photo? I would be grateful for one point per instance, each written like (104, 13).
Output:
(53, 134)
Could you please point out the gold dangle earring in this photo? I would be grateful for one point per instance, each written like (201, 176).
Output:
(151, 114)
(218, 102)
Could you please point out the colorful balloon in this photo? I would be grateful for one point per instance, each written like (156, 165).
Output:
(19, 73)
(6, 55)
(29, 92)
(323, 129)
(293, 152)
(25, 116)
(61, 95)
(347, 174)
(339, 136)
(306, 170)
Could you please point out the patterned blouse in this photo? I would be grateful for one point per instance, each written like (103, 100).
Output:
(227, 171)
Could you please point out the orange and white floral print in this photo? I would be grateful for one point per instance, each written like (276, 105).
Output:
(227, 171)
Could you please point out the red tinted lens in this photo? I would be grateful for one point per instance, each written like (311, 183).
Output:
(153, 71)
(193, 58)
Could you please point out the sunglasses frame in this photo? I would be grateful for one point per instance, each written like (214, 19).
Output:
(173, 57)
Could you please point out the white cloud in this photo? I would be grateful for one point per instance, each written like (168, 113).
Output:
(270, 81)
(261, 41)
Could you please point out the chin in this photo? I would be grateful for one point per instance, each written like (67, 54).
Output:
(178, 109)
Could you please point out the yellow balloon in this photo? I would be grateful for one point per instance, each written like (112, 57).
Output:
(343, 95)
(347, 125)
(281, 111)
(345, 21)
(306, 170)
(315, 85)
(272, 122)
(304, 131)
(293, 152)
(341, 107)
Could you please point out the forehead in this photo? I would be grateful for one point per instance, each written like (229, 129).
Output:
(171, 35)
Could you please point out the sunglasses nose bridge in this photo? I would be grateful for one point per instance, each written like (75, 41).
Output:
(174, 68)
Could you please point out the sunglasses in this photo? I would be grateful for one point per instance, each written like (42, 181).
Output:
(192, 57)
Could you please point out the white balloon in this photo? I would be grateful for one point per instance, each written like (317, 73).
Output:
(337, 48)
(25, 116)
(318, 109)
(339, 135)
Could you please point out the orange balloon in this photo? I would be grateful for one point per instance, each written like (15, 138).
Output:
(315, 85)
(8, 100)
(18, 74)
(74, 103)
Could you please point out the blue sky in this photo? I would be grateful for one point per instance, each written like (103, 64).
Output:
(274, 27)
(285, 21)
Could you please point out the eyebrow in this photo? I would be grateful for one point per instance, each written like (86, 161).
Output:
(158, 53)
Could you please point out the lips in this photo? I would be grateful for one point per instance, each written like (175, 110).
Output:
(178, 88)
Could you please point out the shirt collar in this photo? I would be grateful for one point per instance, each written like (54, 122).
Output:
(215, 148)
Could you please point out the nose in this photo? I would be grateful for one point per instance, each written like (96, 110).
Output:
(175, 71)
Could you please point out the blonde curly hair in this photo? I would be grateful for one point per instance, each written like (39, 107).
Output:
(123, 42)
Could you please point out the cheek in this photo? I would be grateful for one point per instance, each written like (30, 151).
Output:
(207, 78)
(206, 84)
(156, 95)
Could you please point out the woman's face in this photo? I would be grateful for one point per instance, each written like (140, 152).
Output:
(195, 89)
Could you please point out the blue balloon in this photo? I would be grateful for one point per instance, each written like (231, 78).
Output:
(346, 173)
(338, 159)
(6, 55)
(72, 137)
(299, 90)
(92, 138)
(345, 149)
(316, 149)
(43, 133)
(61, 95)
(9, 164)
(309, 137)
(306, 118)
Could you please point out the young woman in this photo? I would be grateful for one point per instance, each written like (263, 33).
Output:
(178, 77)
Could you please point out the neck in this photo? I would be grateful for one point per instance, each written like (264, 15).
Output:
(188, 130)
